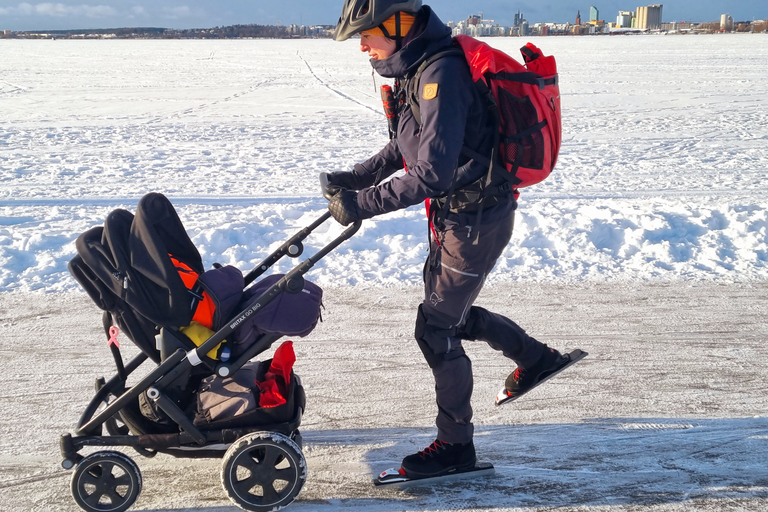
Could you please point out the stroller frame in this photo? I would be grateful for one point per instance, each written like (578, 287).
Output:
(276, 442)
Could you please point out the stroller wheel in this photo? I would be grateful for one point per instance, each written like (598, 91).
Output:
(106, 481)
(263, 471)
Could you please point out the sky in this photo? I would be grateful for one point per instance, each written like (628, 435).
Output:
(93, 14)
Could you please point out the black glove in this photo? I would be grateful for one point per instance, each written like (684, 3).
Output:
(341, 180)
(343, 207)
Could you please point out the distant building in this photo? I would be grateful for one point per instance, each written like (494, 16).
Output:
(677, 26)
(578, 18)
(309, 31)
(649, 17)
(518, 19)
(551, 29)
(476, 26)
(520, 28)
(726, 22)
(594, 14)
(624, 19)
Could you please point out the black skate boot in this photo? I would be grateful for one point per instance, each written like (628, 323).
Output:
(523, 380)
(439, 459)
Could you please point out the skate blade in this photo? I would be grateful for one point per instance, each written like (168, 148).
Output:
(574, 357)
(396, 478)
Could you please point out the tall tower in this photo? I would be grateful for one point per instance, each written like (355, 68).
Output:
(624, 19)
(654, 16)
(649, 17)
(594, 14)
(726, 22)
(578, 19)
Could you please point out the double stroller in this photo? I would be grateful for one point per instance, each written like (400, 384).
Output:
(202, 394)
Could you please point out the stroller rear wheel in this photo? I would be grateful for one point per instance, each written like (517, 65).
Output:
(263, 471)
(106, 481)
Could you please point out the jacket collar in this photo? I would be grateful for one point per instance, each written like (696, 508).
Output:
(431, 35)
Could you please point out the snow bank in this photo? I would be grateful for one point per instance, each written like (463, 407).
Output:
(661, 174)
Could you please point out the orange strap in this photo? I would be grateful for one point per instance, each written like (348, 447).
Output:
(205, 305)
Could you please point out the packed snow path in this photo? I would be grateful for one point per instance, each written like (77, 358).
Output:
(668, 411)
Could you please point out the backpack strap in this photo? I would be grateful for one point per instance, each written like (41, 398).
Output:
(526, 77)
(412, 98)
(412, 87)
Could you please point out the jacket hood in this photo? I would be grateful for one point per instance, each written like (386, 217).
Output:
(430, 36)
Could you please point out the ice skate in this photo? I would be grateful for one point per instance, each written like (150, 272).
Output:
(522, 380)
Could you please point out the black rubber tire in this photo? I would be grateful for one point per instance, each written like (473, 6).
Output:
(106, 481)
(263, 471)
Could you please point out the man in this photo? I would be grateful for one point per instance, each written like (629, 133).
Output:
(471, 220)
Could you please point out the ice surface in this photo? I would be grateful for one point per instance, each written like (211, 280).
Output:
(667, 413)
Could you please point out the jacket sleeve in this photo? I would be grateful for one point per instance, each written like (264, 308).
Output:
(386, 162)
(445, 98)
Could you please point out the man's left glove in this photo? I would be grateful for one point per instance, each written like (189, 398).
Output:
(343, 207)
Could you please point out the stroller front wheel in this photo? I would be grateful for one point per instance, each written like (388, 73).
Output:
(106, 481)
(263, 471)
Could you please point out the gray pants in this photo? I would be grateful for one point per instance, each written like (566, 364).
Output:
(453, 277)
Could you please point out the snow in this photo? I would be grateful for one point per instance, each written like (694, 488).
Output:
(660, 175)
(647, 248)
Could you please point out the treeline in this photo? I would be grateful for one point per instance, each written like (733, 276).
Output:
(229, 32)
(232, 32)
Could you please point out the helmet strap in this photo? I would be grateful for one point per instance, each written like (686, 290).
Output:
(398, 37)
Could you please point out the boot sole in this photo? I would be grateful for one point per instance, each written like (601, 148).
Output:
(397, 480)
(573, 357)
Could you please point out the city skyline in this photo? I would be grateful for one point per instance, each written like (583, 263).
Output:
(100, 14)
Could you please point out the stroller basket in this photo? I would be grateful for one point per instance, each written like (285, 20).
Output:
(205, 397)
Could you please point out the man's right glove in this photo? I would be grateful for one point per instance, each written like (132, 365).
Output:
(343, 207)
(339, 180)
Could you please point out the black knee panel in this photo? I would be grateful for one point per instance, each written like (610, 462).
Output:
(437, 343)
(474, 326)
(483, 325)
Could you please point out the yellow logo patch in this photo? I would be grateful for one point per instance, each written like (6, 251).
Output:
(430, 92)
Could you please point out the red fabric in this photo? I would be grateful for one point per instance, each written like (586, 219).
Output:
(282, 363)
(544, 65)
(277, 380)
(206, 307)
(482, 59)
(270, 394)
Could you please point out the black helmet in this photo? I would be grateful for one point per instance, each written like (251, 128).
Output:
(360, 15)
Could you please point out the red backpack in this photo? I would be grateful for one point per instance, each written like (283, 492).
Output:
(527, 102)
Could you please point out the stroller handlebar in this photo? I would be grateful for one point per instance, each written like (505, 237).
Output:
(285, 284)
(324, 183)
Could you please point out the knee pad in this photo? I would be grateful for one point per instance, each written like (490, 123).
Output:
(436, 342)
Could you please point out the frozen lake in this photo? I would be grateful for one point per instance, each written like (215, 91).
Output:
(661, 173)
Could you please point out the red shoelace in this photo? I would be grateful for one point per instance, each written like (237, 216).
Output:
(434, 447)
